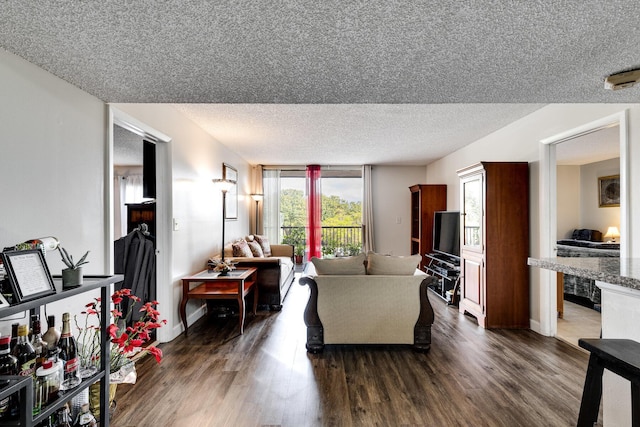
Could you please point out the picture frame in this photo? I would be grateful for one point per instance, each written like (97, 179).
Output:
(28, 275)
(230, 173)
(609, 191)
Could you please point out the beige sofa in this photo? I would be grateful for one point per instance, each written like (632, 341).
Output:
(275, 273)
(368, 309)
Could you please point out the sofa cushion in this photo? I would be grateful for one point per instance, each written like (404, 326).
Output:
(340, 266)
(392, 265)
(264, 243)
(241, 249)
(256, 249)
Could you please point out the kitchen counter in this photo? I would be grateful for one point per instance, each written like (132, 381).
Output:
(623, 272)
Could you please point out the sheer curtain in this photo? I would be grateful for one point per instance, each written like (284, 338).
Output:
(314, 212)
(128, 189)
(367, 210)
(271, 204)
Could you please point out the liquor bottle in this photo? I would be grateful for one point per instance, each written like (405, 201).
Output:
(52, 336)
(24, 352)
(68, 355)
(36, 341)
(8, 366)
(45, 244)
(14, 336)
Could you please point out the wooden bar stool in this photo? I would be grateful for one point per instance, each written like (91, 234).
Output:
(619, 356)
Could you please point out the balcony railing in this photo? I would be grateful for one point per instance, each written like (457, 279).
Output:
(346, 240)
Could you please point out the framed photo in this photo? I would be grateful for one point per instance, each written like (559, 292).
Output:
(609, 191)
(28, 274)
(230, 173)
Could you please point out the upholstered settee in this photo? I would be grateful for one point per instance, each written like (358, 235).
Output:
(275, 272)
(353, 307)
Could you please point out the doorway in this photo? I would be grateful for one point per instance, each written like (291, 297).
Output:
(549, 232)
(580, 162)
(163, 212)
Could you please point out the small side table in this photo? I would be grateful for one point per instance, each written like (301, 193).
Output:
(236, 285)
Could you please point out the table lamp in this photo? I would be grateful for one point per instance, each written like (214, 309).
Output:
(612, 233)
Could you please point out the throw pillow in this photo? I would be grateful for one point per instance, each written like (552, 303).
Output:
(392, 265)
(241, 249)
(256, 249)
(348, 266)
(264, 243)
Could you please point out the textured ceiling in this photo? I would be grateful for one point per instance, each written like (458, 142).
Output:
(335, 52)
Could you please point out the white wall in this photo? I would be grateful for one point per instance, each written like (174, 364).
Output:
(593, 216)
(392, 202)
(52, 177)
(197, 205)
(520, 141)
(568, 204)
(51, 166)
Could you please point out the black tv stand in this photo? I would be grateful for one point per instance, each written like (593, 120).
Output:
(447, 270)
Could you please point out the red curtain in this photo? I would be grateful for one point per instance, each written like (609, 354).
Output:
(314, 212)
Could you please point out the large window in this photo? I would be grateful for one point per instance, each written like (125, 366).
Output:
(341, 210)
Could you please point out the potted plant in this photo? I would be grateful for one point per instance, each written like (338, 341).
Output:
(72, 275)
(296, 238)
(298, 251)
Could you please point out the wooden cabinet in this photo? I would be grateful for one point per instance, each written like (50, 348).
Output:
(494, 200)
(425, 200)
(141, 213)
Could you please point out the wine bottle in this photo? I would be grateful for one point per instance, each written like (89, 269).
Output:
(14, 336)
(68, 355)
(25, 353)
(36, 341)
(8, 366)
(52, 336)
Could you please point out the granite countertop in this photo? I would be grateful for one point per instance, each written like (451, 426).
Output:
(624, 272)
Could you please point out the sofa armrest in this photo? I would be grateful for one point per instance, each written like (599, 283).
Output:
(256, 260)
(282, 250)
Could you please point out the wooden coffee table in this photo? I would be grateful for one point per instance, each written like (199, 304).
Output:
(236, 285)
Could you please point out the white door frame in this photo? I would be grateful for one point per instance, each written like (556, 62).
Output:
(164, 210)
(548, 208)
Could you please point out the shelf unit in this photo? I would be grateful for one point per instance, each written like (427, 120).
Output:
(447, 270)
(425, 200)
(25, 385)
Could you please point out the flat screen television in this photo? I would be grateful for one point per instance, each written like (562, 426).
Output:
(446, 233)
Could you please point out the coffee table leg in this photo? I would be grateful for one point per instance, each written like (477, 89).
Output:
(255, 299)
(241, 310)
(183, 313)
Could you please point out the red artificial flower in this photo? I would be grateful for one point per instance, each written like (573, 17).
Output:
(117, 299)
(157, 353)
(121, 340)
(112, 330)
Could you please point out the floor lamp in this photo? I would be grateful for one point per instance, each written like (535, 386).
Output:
(257, 198)
(224, 185)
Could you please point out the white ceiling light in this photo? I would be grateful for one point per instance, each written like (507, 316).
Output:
(622, 80)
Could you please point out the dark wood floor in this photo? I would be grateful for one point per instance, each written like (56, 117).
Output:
(471, 377)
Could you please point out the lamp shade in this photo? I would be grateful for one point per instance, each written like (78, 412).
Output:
(224, 185)
(257, 197)
(612, 233)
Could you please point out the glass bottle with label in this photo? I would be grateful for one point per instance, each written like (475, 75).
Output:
(36, 341)
(52, 335)
(69, 355)
(8, 366)
(24, 352)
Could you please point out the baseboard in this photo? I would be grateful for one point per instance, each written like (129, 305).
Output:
(534, 325)
(191, 319)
